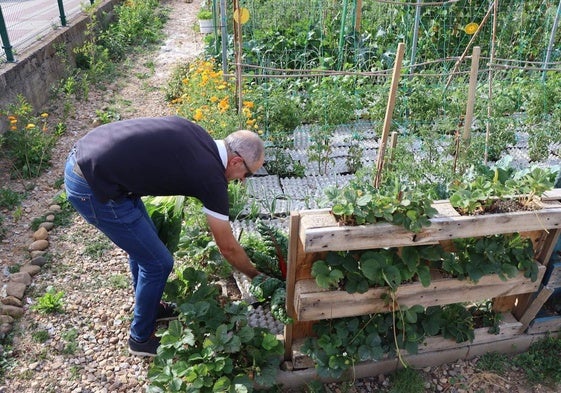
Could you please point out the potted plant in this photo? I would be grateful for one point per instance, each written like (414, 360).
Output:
(206, 21)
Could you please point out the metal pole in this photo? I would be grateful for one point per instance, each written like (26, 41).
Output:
(224, 36)
(342, 33)
(61, 11)
(551, 40)
(5, 39)
(415, 35)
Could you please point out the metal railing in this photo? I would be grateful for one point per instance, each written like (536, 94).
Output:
(22, 23)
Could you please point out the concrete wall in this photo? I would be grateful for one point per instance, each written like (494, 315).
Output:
(39, 68)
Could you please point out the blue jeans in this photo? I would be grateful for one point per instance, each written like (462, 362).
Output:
(129, 226)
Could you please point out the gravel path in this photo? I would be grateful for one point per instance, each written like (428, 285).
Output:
(86, 350)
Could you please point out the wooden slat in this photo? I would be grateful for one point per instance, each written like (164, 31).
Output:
(535, 306)
(508, 328)
(312, 303)
(320, 232)
(545, 325)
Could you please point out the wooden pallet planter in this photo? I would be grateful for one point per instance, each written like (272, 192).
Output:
(315, 232)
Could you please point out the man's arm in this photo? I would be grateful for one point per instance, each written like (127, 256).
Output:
(229, 247)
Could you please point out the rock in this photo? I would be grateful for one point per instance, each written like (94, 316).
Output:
(40, 234)
(39, 261)
(39, 245)
(31, 269)
(12, 301)
(16, 289)
(50, 217)
(12, 311)
(21, 277)
(54, 208)
(6, 319)
(5, 328)
(47, 225)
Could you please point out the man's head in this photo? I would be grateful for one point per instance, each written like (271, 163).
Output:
(246, 154)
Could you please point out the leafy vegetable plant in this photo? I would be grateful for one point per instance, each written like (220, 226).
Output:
(211, 347)
(361, 203)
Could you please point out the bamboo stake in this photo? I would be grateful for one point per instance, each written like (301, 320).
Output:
(490, 91)
(358, 17)
(471, 93)
(389, 112)
(238, 54)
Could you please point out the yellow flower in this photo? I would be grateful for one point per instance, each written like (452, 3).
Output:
(471, 28)
(213, 99)
(198, 116)
(13, 128)
(248, 104)
(44, 115)
(30, 125)
(185, 81)
(13, 120)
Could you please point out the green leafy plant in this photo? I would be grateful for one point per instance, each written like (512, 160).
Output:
(485, 188)
(211, 347)
(268, 250)
(28, 140)
(167, 214)
(541, 363)
(51, 302)
(9, 198)
(361, 203)
(407, 380)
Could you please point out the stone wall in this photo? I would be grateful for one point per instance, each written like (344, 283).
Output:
(39, 68)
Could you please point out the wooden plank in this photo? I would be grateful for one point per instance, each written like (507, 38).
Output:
(293, 241)
(535, 306)
(320, 232)
(509, 327)
(509, 343)
(554, 194)
(313, 303)
(545, 325)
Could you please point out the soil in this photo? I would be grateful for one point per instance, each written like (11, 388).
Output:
(86, 349)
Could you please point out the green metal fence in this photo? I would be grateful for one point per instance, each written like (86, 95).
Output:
(22, 23)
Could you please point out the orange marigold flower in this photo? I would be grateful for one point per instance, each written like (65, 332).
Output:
(12, 118)
(13, 121)
(185, 81)
(223, 104)
(213, 99)
(13, 128)
(198, 116)
(248, 104)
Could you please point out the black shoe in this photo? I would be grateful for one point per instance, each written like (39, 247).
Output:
(146, 348)
(166, 312)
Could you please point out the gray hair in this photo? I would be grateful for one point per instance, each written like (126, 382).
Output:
(246, 143)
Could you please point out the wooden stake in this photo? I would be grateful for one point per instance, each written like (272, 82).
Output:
(238, 55)
(389, 112)
(471, 94)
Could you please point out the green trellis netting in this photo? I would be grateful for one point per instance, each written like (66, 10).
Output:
(335, 54)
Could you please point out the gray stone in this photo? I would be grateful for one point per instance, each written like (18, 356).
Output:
(39, 261)
(50, 217)
(35, 254)
(16, 289)
(54, 208)
(47, 225)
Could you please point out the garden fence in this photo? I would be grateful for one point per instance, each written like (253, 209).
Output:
(22, 23)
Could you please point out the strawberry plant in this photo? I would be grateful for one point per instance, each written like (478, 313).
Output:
(211, 347)
(482, 189)
(361, 203)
